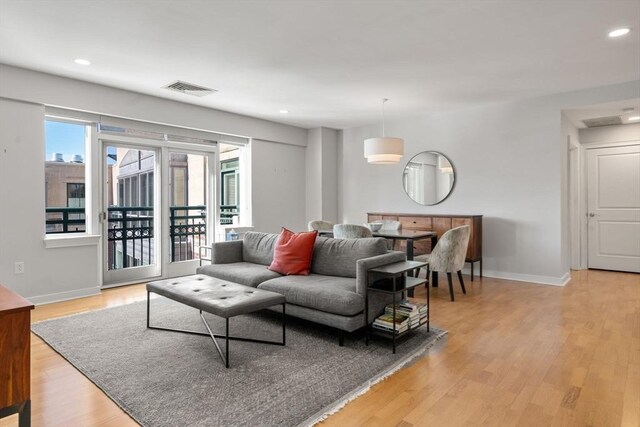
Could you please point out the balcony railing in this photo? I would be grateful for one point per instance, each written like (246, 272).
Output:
(130, 236)
(227, 212)
(187, 229)
(65, 220)
(130, 233)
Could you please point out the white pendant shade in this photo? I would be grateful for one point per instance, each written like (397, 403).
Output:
(384, 150)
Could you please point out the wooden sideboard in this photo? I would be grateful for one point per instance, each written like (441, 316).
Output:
(15, 356)
(439, 224)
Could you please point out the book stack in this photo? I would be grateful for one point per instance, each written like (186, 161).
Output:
(416, 312)
(386, 323)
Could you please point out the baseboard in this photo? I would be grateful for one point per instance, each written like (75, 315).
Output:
(531, 278)
(64, 296)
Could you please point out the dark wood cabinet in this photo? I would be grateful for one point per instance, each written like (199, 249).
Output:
(439, 224)
(15, 356)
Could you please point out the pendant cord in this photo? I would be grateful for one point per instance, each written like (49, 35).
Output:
(383, 101)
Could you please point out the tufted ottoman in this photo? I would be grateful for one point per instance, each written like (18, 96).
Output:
(218, 297)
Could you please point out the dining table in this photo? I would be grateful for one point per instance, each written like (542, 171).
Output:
(410, 236)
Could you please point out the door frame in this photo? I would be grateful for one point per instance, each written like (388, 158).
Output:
(161, 200)
(112, 278)
(182, 268)
(579, 207)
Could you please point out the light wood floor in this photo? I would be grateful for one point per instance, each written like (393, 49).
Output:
(517, 354)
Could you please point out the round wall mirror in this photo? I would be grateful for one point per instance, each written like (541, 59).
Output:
(428, 178)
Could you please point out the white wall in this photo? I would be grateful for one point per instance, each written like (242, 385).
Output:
(329, 174)
(47, 89)
(314, 174)
(49, 273)
(571, 219)
(322, 174)
(278, 186)
(54, 274)
(509, 168)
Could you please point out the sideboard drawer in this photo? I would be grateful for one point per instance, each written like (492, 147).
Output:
(441, 225)
(416, 223)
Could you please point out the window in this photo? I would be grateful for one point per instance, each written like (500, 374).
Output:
(146, 189)
(230, 178)
(231, 185)
(75, 195)
(65, 177)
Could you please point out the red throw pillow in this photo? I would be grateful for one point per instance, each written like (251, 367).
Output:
(292, 253)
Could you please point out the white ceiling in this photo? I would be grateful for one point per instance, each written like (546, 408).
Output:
(329, 62)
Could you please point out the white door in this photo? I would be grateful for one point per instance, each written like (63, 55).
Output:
(190, 208)
(613, 200)
(131, 217)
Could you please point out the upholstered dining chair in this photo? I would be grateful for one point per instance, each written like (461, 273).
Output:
(320, 225)
(350, 231)
(448, 255)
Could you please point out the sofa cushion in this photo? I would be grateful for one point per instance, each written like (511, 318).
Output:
(337, 257)
(325, 293)
(258, 247)
(293, 251)
(244, 273)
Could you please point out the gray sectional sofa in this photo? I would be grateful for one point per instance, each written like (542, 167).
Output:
(333, 294)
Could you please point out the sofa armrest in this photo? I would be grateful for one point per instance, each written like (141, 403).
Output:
(364, 264)
(226, 252)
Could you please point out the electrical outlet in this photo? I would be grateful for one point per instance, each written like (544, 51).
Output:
(19, 267)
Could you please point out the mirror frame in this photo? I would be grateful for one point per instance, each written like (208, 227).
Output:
(453, 186)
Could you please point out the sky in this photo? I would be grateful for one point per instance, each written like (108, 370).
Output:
(65, 138)
(68, 139)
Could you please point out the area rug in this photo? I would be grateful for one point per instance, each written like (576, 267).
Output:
(166, 379)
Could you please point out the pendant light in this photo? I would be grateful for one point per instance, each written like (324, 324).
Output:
(384, 150)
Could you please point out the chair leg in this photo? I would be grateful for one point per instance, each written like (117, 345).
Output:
(464, 291)
(417, 272)
(341, 338)
(428, 277)
(434, 276)
(450, 285)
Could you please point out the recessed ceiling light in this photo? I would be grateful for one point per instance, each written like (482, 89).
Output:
(81, 61)
(634, 118)
(284, 111)
(619, 32)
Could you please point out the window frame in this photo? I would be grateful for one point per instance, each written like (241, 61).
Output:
(243, 184)
(88, 137)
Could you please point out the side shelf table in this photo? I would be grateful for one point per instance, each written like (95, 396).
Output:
(393, 279)
(15, 357)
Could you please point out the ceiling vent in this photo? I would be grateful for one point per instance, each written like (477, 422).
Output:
(189, 89)
(602, 121)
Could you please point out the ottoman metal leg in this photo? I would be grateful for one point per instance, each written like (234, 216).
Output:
(226, 336)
